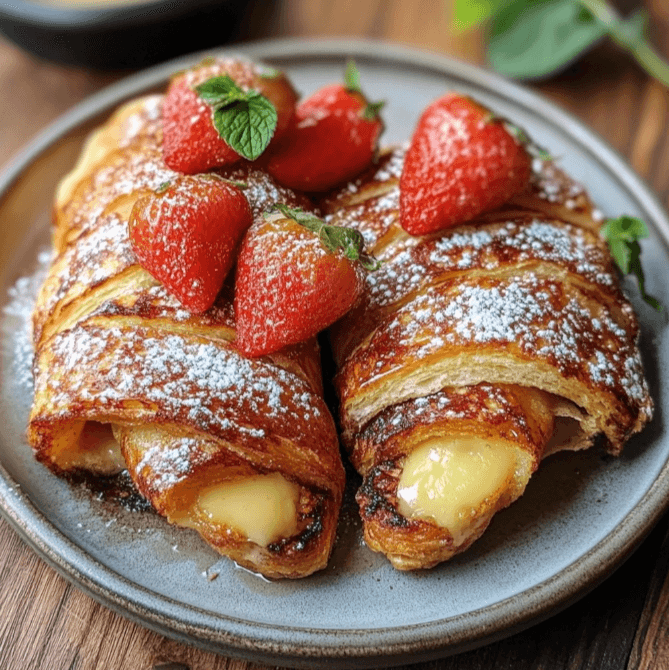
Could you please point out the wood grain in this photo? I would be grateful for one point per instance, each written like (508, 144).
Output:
(45, 623)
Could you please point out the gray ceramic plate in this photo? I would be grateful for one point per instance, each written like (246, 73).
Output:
(581, 516)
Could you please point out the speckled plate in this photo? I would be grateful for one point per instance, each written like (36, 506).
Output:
(581, 516)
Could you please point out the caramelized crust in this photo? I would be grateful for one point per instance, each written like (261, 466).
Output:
(187, 409)
(511, 417)
(509, 331)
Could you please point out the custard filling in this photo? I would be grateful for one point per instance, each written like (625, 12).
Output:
(263, 508)
(447, 481)
(96, 451)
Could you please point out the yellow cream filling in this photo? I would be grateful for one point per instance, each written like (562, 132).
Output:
(263, 508)
(97, 451)
(447, 481)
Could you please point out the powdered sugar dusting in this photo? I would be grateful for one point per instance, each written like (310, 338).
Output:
(95, 258)
(486, 403)
(143, 123)
(202, 383)
(173, 464)
(412, 263)
(17, 321)
(262, 192)
(539, 318)
(551, 184)
(133, 171)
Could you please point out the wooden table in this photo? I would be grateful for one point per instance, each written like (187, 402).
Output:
(45, 623)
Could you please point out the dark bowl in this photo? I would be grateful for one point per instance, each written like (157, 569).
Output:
(105, 35)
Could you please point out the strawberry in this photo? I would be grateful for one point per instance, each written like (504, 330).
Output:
(462, 161)
(221, 111)
(186, 233)
(295, 276)
(332, 138)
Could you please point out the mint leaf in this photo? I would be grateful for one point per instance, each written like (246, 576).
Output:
(220, 91)
(637, 271)
(469, 13)
(246, 120)
(622, 235)
(621, 254)
(247, 125)
(352, 77)
(631, 32)
(625, 227)
(532, 39)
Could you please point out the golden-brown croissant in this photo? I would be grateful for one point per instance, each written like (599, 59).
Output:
(476, 352)
(244, 451)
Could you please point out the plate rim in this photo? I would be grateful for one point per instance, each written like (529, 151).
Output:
(299, 646)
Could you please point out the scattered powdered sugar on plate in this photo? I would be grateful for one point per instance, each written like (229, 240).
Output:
(17, 320)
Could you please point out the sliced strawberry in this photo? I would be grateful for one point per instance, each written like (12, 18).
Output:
(191, 141)
(186, 235)
(462, 161)
(295, 276)
(333, 137)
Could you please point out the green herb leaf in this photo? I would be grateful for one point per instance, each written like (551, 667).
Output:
(352, 77)
(629, 228)
(220, 91)
(532, 39)
(631, 32)
(469, 13)
(349, 240)
(622, 235)
(246, 120)
(247, 125)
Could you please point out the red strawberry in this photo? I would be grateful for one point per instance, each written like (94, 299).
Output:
(295, 276)
(462, 161)
(186, 234)
(191, 141)
(333, 137)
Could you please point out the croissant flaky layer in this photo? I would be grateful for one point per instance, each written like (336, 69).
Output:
(243, 451)
(474, 353)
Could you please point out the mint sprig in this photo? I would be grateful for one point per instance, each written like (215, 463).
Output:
(246, 120)
(333, 238)
(529, 39)
(623, 235)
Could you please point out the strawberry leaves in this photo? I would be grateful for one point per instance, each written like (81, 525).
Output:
(623, 235)
(246, 120)
(461, 162)
(352, 85)
(289, 285)
(352, 77)
(350, 241)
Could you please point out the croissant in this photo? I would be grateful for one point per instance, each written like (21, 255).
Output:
(475, 353)
(243, 451)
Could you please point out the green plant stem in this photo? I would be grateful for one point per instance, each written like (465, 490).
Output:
(652, 62)
(642, 51)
